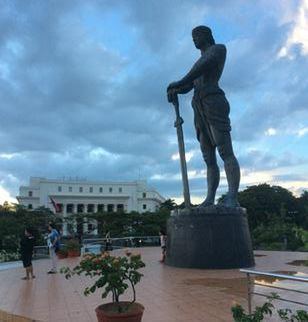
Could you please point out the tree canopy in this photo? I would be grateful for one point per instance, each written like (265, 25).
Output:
(277, 220)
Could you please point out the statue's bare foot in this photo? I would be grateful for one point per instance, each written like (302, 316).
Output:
(206, 203)
(229, 201)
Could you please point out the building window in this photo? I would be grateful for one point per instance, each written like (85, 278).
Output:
(80, 189)
(91, 189)
(144, 206)
(110, 208)
(90, 208)
(30, 206)
(30, 193)
(100, 189)
(69, 208)
(110, 189)
(144, 195)
(70, 189)
(59, 189)
(91, 227)
(120, 207)
(100, 208)
(120, 190)
(80, 208)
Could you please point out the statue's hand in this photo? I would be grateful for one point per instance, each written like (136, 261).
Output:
(173, 86)
(172, 91)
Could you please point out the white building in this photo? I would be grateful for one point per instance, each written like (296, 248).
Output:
(68, 196)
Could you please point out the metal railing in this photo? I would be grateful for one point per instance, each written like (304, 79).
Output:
(40, 252)
(251, 283)
(122, 242)
(99, 244)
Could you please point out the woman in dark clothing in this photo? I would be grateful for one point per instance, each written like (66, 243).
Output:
(26, 249)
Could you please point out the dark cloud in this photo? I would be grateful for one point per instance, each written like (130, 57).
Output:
(81, 96)
(257, 160)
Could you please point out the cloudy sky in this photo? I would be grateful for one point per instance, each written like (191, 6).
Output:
(82, 90)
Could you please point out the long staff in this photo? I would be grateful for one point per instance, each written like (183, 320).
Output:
(178, 125)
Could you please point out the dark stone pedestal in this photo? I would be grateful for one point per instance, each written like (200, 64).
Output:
(213, 237)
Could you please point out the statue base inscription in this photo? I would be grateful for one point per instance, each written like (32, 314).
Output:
(213, 237)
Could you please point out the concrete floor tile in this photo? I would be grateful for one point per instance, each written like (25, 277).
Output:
(169, 294)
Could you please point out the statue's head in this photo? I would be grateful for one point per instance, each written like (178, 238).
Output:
(202, 36)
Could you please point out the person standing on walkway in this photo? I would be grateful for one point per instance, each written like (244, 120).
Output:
(163, 244)
(53, 241)
(26, 250)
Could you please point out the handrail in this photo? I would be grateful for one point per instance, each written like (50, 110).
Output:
(88, 240)
(120, 242)
(284, 276)
(250, 291)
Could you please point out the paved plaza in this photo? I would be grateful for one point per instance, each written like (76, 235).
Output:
(169, 294)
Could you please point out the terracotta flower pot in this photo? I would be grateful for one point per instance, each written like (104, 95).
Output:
(73, 253)
(61, 256)
(110, 312)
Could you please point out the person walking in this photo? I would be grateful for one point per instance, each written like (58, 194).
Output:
(26, 250)
(53, 241)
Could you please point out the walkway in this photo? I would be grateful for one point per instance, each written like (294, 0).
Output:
(169, 294)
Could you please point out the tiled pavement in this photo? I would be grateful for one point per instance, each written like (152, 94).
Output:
(169, 294)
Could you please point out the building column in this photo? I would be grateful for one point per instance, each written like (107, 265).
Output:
(64, 229)
(74, 226)
(95, 208)
(95, 231)
(64, 209)
(64, 223)
(85, 226)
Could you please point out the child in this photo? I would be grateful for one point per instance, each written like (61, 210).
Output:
(163, 240)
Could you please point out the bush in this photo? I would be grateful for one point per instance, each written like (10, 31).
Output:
(266, 310)
(8, 256)
(72, 244)
(277, 236)
(113, 274)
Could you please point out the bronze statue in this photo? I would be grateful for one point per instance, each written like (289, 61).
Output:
(211, 111)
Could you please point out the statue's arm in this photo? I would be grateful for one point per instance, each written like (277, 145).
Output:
(185, 88)
(199, 68)
(173, 89)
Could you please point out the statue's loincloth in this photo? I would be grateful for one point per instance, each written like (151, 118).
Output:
(211, 111)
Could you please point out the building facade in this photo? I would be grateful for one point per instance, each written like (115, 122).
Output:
(68, 196)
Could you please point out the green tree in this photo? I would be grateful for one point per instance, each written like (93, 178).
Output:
(302, 216)
(169, 204)
(264, 202)
(13, 223)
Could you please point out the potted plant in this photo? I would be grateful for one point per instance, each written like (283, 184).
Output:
(73, 248)
(114, 274)
(62, 253)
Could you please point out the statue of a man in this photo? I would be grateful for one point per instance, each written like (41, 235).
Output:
(211, 111)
